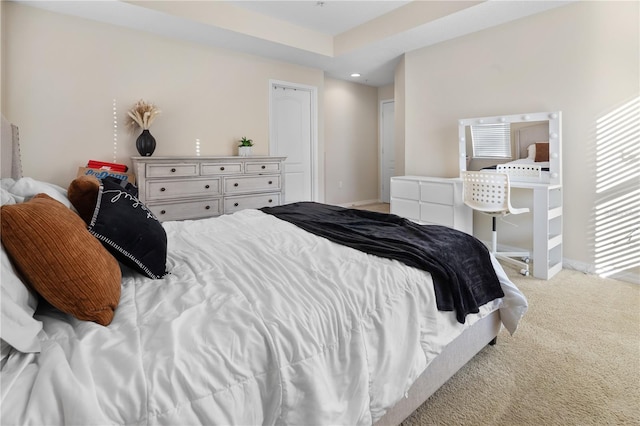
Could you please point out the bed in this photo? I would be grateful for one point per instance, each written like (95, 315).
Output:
(255, 321)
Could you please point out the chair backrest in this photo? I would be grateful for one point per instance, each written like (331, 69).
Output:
(530, 172)
(487, 192)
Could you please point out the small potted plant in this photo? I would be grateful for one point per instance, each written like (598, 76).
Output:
(244, 149)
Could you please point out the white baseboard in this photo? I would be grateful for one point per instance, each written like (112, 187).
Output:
(579, 266)
(359, 203)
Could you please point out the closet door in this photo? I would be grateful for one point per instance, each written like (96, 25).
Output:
(291, 137)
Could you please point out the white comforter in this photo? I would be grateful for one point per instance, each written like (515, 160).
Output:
(258, 322)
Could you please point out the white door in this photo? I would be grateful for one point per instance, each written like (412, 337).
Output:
(387, 148)
(291, 136)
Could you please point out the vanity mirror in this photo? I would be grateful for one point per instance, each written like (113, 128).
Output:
(532, 138)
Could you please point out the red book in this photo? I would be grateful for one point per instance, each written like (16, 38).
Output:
(116, 167)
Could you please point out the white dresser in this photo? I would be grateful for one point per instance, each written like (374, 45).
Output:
(431, 200)
(177, 188)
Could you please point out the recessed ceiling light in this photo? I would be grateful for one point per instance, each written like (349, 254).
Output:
(355, 74)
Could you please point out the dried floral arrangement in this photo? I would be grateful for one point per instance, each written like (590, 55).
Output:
(142, 114)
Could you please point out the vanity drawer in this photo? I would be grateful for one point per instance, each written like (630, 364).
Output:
(435, 192)
(172, 170)
(233, 204)
(186, 210)
(405, 189)
(266, 167)
(436, 214)
(405, 208)
(165, 189)
(251, 183)
(220, 168)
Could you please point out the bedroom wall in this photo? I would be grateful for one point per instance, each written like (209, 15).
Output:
(62, 74)
(399, 88)
(351, 142)
(582, 59)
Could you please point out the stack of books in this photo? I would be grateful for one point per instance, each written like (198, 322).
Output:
(102, 169)
(116, 167)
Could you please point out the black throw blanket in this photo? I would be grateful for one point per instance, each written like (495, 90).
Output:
(463, 276)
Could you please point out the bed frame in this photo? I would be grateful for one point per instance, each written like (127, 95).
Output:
(453, 357)
(11, 167)
(442, 368)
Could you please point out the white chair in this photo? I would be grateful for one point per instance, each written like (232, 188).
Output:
(528, 172)
(490, 193)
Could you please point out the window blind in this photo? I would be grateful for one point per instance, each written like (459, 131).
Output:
(491, 140)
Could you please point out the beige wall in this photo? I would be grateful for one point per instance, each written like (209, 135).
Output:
(351, 142)
(385, 93)
(399, 88)
(61, 75)
(582, 59)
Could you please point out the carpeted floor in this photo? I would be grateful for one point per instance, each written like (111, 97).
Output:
(575, 360)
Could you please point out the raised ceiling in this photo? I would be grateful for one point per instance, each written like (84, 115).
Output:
(339, 37)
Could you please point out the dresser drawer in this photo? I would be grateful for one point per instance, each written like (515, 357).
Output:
(251, 183)
(172, 170)
(262, 167)
(220, 168)
(186, 210)
(164, 189)
(434, 192)
(437, 214)
(233, 204)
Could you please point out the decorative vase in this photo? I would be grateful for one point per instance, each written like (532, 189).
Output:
(146, 143)
(244, 151)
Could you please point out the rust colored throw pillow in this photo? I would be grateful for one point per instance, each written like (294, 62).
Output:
(542, 151)
(83, 195)
(55, 253)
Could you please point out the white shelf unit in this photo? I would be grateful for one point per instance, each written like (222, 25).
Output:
(547, 231)
(431, 200)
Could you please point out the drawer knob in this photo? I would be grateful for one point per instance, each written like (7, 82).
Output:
(270, 200)
(235, 184)
(163, 211)
(207, 207)
(235, 204)
(264, 167)
(221, 168)
(163, 189)
(270, 182)
(173, 170)
(206, 186)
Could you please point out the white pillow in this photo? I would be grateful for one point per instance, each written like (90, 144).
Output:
(6, 197)
(531, 151)
(25, 188)
(18, 328)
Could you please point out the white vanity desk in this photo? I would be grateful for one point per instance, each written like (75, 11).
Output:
(527, 129)
(434, 200)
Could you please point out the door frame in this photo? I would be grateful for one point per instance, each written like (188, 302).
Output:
(314, 128)
(381, 145)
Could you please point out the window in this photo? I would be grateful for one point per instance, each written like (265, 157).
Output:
(491, 140)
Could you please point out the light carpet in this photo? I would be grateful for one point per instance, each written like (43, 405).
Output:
(574, 360)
